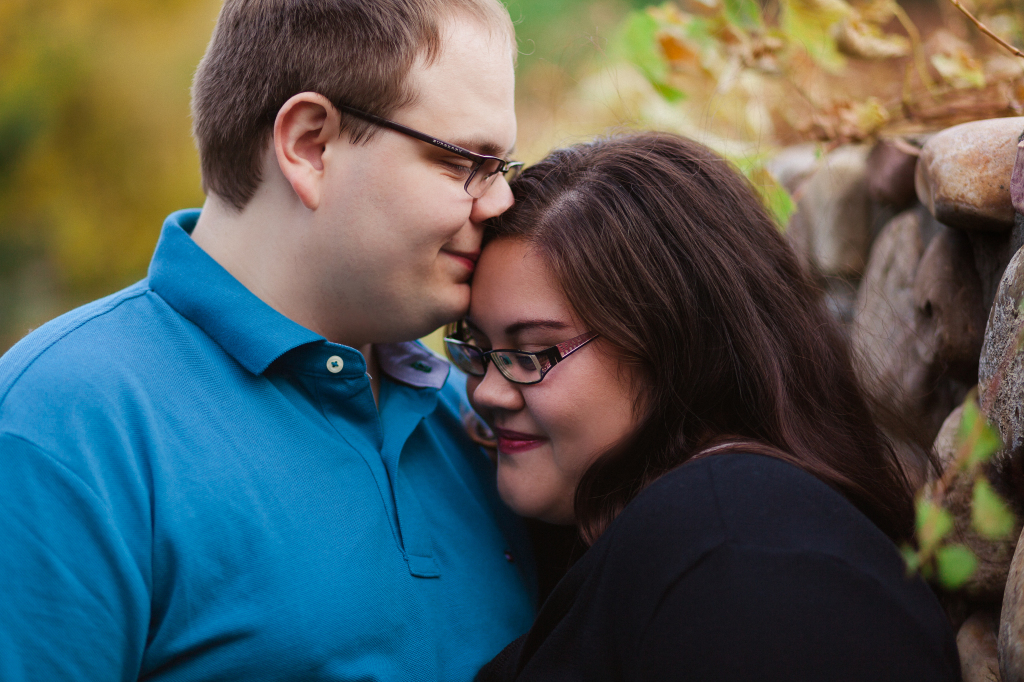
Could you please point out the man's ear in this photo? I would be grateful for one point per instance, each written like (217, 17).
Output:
(304, 126)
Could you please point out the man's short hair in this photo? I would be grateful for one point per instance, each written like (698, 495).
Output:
(357, 52)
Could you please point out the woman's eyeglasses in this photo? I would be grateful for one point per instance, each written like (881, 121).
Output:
(517, 366)
(481, 174)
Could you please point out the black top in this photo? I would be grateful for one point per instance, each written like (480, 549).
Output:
(737, 567)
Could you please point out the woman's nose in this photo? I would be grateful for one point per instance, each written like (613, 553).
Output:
(494, 392)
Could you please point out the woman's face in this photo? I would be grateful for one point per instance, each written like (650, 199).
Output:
(550, 432)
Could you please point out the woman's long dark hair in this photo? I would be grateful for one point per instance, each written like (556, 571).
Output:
(664, 249)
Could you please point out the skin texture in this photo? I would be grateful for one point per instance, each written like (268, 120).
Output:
(550, 432)
(376, 242)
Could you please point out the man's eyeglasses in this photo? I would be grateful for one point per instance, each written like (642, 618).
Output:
(481, 174)
(517, 366)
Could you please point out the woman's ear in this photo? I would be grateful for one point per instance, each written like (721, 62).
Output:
(305, 124)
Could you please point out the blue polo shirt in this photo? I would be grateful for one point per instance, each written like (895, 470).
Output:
(194, 487)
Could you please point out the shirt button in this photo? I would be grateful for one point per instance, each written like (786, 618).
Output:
(335, 364)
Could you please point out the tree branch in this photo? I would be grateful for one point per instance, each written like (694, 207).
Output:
(986, 30)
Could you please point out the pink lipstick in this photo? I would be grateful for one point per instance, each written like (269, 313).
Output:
(512, 442)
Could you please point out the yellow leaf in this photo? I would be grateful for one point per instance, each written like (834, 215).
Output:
(871, 115)
(677, 51)
(959, 69)
(864, 40)
(809, 23)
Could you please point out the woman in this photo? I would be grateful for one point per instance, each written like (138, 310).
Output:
(678, 392)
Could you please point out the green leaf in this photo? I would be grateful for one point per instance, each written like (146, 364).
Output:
(933, 524)
(671, 94)
(976, 436)
(956, 565)
(989, 514)
(638, 44)
(744, 13)
(911, 558)
(810, 22)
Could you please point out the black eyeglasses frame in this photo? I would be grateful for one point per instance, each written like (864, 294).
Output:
(544, 360)
(478, 159)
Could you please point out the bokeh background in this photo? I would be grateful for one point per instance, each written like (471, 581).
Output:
(95, 145)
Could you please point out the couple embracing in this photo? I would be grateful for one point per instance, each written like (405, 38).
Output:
(243, 468)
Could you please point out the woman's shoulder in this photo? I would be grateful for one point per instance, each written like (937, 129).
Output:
(737, 538)
(747, 499)
(755, 505)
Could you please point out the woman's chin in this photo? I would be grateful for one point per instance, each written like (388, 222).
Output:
(531, 507)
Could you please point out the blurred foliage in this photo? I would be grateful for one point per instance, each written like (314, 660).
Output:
(95, 147)
(934, 556)
(748, 77)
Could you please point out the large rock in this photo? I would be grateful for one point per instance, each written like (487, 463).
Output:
(977, 643)
(992, 251)
(793, 164)
(1001, 371)
(988, 582)
(963, 174)
(832, 233)
(950, 316)
(890, 173)
(918, 327)
(1011, 622)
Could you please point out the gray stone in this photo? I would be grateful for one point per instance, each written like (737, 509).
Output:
(1011, 622)
(1001, 368)
(963, 174)
(992, 251)
(1017, 178)
(950, 317)
(917, 327)
(891, 166)
(792, 164)
(977, 643)
(988, 582)
(833, 204)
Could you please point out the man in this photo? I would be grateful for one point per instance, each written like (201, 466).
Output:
(240, 468)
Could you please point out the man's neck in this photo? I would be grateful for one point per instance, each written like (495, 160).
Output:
(252, 247)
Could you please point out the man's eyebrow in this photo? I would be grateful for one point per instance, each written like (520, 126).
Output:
(485, 147)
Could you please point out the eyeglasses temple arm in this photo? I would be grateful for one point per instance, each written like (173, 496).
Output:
(373, 118)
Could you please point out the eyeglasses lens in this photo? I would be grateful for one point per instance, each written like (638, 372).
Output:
(483, 178)
(518, 367)
(465, 357)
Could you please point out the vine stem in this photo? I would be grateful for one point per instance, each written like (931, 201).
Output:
(986, 30)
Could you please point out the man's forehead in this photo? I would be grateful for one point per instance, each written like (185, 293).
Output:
(467, 93)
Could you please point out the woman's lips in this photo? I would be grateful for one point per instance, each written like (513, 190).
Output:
(511, 442)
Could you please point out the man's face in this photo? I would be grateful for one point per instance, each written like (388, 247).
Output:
(397, 234)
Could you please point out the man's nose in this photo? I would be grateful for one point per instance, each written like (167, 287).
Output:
(495, 201)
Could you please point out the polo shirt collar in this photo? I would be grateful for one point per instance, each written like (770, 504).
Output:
(199, 288)
(249, 330)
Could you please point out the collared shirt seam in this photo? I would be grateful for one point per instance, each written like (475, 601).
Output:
(39, 353)
(383, 500)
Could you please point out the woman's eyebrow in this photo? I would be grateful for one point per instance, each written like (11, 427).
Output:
(523, 325)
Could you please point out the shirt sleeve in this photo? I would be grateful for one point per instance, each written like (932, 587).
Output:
(753, 614)
(74, 603)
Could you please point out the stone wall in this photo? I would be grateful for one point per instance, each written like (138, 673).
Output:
(916, 243)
